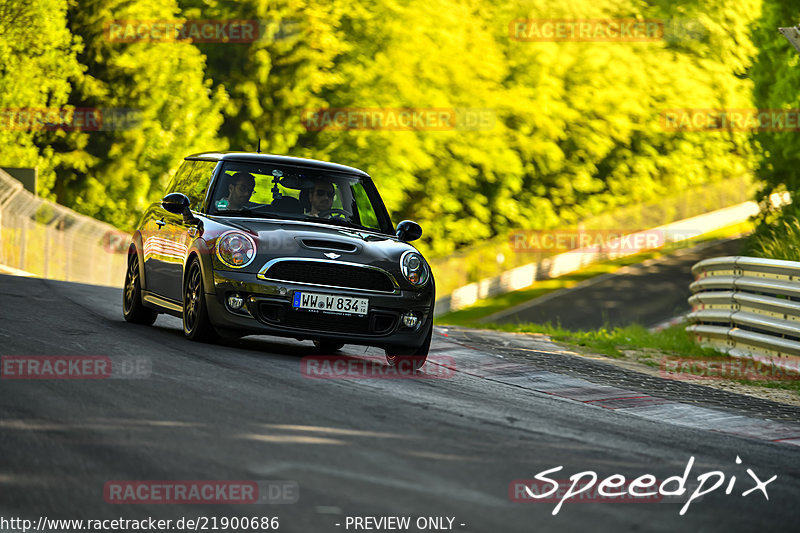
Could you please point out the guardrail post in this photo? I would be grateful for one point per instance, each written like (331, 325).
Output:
(22, 244)
(66, 240)
(46, 251)
(110, 269)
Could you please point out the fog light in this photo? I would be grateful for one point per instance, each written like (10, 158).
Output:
(235, 301)
(410, 320)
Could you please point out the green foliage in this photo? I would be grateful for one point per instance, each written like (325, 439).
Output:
(272, 80)
(575, 127)
(777, 236)
(577, 124)
(37, 56)
(113, 175)
(776, 76)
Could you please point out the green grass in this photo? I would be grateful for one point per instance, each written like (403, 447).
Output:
(643, 346)
(472, 315)
(670, 342)
(792, 385)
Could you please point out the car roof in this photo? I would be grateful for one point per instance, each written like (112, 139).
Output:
(252, 157)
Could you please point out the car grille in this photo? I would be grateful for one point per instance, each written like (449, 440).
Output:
(331, 274)
(280, 314)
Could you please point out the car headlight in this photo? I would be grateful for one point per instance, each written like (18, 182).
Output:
(414, 268)
(236, 249)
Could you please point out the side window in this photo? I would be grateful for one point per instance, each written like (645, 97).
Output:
(192, 179)
(364, 209)
(201, 177)
(180, 175)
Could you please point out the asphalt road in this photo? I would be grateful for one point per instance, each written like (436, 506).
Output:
(647, 294)
(418, 447)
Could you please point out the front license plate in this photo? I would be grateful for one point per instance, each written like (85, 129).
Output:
(327, 303)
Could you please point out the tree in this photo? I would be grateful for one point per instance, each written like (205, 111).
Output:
(272, 79)
(167, 109)
(37, 57)
(776, 77)
(573, 129)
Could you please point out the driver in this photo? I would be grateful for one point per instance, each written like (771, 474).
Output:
(240, 188)
(321, 197)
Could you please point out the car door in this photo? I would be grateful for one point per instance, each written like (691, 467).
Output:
(158, 241)
(181, 232)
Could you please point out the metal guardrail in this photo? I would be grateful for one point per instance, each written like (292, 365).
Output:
(748, 307)
(45, 239)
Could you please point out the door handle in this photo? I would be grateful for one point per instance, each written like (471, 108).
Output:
(160, 223)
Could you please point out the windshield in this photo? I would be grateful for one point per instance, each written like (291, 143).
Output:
(279, 191)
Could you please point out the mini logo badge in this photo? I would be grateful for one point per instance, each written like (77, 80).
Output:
(331, 255)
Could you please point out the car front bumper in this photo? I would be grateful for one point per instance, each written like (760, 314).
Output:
(268, 311)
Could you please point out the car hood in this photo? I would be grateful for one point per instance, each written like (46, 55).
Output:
(301, 239)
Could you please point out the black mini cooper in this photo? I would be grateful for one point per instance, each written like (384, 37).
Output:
(249, 244)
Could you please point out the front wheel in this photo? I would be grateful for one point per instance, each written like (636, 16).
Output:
(196, 324)
(410, 358)
(132, 308)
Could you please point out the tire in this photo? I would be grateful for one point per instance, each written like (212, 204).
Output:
(413, 358)
(327, 347)
(132, 308)
(196, 324)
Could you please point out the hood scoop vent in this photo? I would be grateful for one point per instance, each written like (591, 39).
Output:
(320, 244)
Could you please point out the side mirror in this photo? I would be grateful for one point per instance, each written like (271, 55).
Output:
(175, 203)
(178, 204)
(408, 231)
